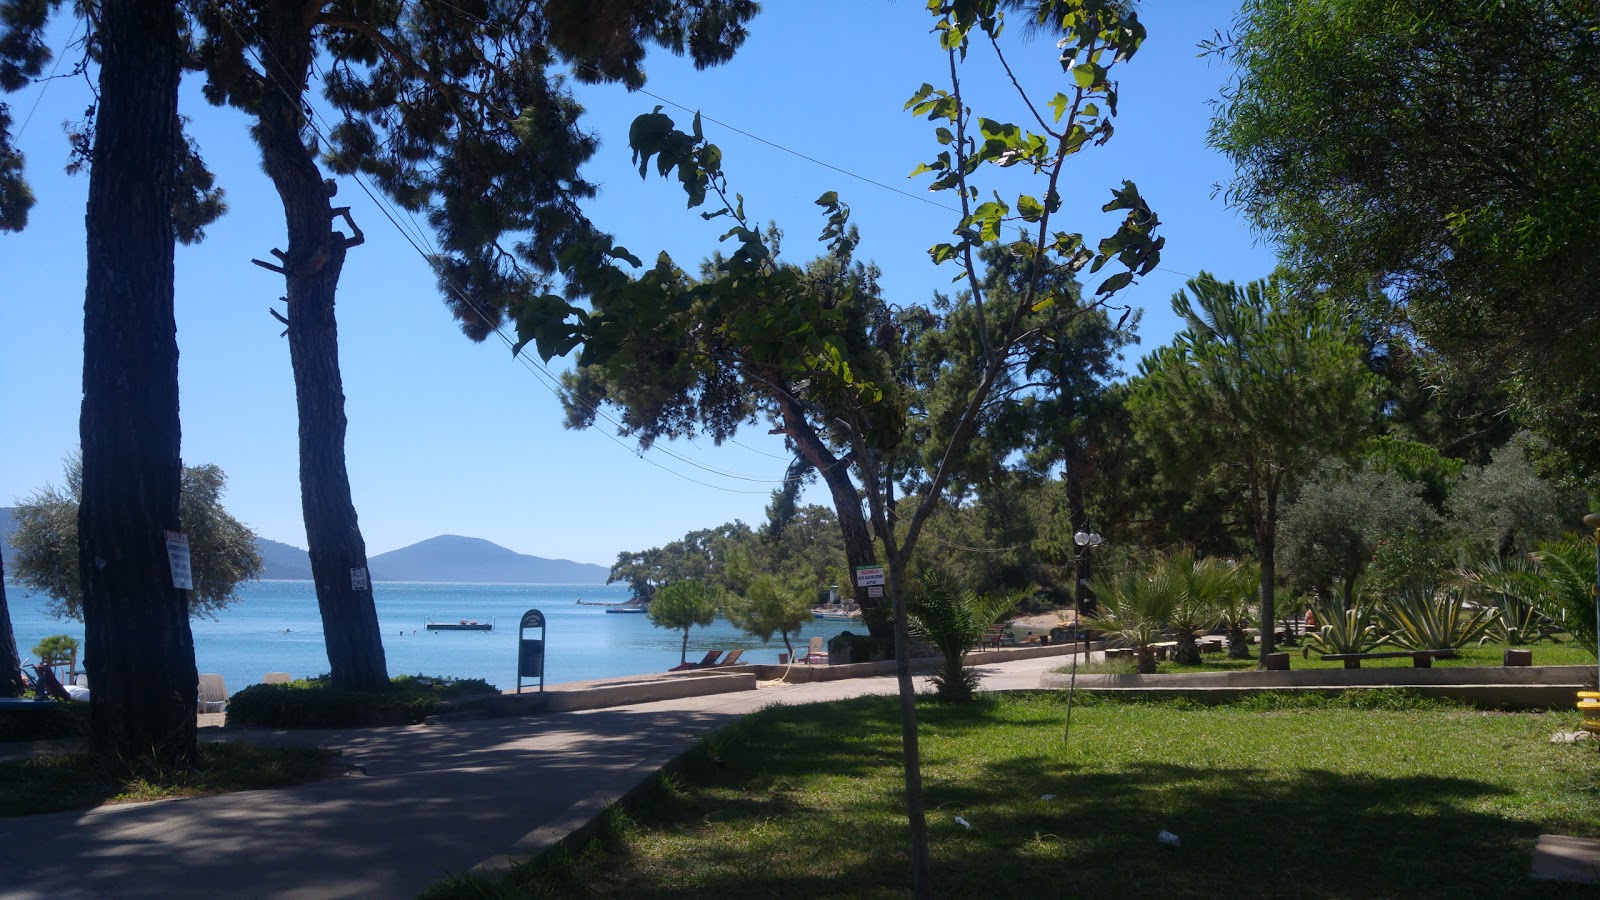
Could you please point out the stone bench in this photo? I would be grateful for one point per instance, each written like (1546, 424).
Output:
(1420, 659)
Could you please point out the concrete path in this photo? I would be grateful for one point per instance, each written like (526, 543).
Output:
(433, 800)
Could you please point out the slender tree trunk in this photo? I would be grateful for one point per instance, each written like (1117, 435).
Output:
(911, 755)
(10, 656)
(139, 652)
(312, 264)
(683, 652)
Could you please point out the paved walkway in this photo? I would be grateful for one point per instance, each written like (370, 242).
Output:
(433, 800)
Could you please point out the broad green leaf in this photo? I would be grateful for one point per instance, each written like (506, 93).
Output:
(1058, 104)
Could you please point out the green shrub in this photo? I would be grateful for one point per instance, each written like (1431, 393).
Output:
(56, 720)
(316, 703)
(56, 646)
(857, 648)
(1426, 619)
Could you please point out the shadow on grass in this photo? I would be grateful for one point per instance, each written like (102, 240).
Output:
(806, 802)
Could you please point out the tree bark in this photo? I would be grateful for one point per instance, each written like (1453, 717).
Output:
(312, 264)
(858, 548)
(139, 652)
(10, 656)
(911, 756)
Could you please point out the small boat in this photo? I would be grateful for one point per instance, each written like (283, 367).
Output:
(835, 616)
(619, 610)
(461, 625)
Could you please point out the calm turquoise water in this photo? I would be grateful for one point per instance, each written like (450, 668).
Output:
(276, 628)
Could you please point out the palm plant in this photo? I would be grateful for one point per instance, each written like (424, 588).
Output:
(1566, 571)
(1134, 608)
(1515, 586)
(1236, 606)
(1341, 628)
(1205, 582)
(953, 618)
(1430, 619)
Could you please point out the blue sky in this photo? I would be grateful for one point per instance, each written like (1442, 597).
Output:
(447, 436)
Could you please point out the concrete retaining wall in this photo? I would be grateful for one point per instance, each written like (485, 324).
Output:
(598, 695)
(800, 672)
(1497, 687)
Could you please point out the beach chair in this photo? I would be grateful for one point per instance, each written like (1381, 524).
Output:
(709, 661)
(816, 653)
(276, 678)
(213, 694)
(732, 660)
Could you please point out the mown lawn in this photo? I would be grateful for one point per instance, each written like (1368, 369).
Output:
(1372, 795)
(1544, 654)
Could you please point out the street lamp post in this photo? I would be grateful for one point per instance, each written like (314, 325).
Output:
(1593, 521)
(1086, 541)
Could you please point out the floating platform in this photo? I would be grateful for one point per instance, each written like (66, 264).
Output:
(625, 610)
(462, 625)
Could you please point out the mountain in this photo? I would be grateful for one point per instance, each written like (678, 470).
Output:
(282, 561)
(450, 557)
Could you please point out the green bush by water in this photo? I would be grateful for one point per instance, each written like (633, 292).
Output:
(316, 703)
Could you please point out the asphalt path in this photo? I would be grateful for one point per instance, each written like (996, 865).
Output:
(419, 803)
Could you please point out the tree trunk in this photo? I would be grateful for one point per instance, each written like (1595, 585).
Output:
(911, 757)
(10, 657)
(312, 264)
(1188, 650)
(858, 548)
(683, 652)
(139, 652)
(1144, 659)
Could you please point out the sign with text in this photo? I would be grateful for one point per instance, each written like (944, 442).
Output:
(359, 580)
(875, 591)
(178, 559)
(867, 576)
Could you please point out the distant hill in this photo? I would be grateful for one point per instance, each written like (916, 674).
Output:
(283, 561)
(450, 557)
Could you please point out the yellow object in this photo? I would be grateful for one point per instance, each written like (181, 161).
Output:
(1589, 706)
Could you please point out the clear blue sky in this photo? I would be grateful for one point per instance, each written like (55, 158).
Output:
(447, 436)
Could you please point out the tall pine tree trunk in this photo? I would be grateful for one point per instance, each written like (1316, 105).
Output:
(858, 547)
(139, 652)
(1266, 547)
(10, 657)
(312, 263)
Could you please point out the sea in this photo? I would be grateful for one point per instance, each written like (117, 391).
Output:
(275, 627)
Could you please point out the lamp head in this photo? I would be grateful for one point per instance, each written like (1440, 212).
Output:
(1592, 520)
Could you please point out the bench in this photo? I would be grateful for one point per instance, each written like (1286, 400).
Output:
(1421, 659)
(995, 636)
(1164, 649)
(1211, 644)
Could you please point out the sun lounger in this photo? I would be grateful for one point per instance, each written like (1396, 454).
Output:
(732, 660)
(213, 694)
(276, 678)
(709, 661)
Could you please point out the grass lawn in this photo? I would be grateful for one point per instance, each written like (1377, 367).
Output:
(1544, 654)
(74, 781)
(1370, 795)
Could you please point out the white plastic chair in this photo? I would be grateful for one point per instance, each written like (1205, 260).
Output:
(213, 694)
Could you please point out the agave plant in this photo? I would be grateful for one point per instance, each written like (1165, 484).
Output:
(1341, 628)
(1429, 619)
(1134, 608)
(953, 618)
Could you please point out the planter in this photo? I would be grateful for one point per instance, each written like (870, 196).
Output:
(1518, 657)
(1275, 662)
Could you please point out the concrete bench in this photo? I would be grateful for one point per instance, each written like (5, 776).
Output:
(1420, 659)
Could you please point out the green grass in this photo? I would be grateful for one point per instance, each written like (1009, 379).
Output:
(76, 781)
(1381, 794)
(1544, 654)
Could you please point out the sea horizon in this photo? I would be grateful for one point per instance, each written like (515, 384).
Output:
(276, 627)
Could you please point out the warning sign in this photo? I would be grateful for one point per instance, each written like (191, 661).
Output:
(178, 559)
(867, 576)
